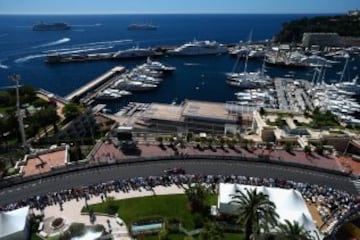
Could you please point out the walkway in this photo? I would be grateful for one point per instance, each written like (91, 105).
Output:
(107, 152)
(72, 210)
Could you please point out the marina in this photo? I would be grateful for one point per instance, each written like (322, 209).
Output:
(88, 91)
(117, 83)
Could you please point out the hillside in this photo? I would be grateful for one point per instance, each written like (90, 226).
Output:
(343, 25)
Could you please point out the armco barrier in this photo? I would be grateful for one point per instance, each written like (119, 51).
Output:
(87, 166)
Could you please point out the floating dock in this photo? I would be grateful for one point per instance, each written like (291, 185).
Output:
(87, 92)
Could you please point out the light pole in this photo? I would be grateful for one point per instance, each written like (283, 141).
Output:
(16, 78)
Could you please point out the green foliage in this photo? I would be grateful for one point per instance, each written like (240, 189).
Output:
(159, 139)
(289, 147)
(166, 206)
(320, 149)
(6, 99)
(262, 111)
(292, 231)
(212, 231)
(163, 234)
(343, 25)
(72, 110)
(323, 119)
(307, 149)
(75, 230)
(111, 206)
(197, 194)
(198, 220)
(255, 212)
(2, 166)
(76, 153)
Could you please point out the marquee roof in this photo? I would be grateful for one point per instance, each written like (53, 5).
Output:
(289, 203)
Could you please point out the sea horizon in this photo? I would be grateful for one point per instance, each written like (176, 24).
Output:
(24, 51)
(137, 13)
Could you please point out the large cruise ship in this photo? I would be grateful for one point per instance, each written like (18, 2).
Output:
(142, 27)
(51, 27)
(199, 48)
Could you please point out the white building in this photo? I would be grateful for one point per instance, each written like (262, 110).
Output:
(14, 225)
(289, 203)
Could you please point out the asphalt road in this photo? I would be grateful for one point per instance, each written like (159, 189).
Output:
(107, 173)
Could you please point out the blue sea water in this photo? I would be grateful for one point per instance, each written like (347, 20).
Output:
(22, 51)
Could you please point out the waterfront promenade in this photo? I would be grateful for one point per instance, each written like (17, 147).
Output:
(107, 152)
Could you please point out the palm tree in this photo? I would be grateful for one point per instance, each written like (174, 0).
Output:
(293, 231)
(255, 211)
(211, 231)
(196, 194)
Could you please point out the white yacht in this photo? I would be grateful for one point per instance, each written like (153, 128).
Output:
(350, 86)
(146, 71)
(157, 66)
(125, 84)
(109, 94)
(199, 48)
(133, 76)
(247, 79)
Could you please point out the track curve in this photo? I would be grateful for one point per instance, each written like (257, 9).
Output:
(195, 166)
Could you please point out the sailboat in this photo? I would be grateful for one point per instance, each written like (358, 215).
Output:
(348, 86)
(247, 79)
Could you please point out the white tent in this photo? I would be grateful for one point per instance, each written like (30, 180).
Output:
(13, 224)
(289, 204)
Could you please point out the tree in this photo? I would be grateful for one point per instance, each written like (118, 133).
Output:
(212, 231)
(255, 212)
(262, 111)
(292, 231)
(53, 117)
(72, 110)
(2, 166)
(307, 149)
(163, 234)
(320, 149)
(196, 195)
(111, 206)
(289, 147)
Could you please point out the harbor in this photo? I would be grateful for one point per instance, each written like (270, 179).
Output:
(88, 92)
(119, 82)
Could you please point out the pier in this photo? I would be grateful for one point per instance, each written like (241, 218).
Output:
(87, 92)
(292, 94)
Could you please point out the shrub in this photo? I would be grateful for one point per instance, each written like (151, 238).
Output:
(110, 206)
(198, 220)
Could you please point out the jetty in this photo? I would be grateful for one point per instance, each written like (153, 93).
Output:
(88, 92)
(134, 53)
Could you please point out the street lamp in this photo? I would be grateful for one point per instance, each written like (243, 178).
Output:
(16, 78)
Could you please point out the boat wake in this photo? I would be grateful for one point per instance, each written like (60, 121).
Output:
(3, 66)
(54, 43)
(87, 25)
(85, 47)
(27, 58)
(3, 35)
(192, 64)
(82, 50)
(78, 48)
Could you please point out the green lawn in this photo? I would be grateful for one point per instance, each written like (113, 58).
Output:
(168, 206)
